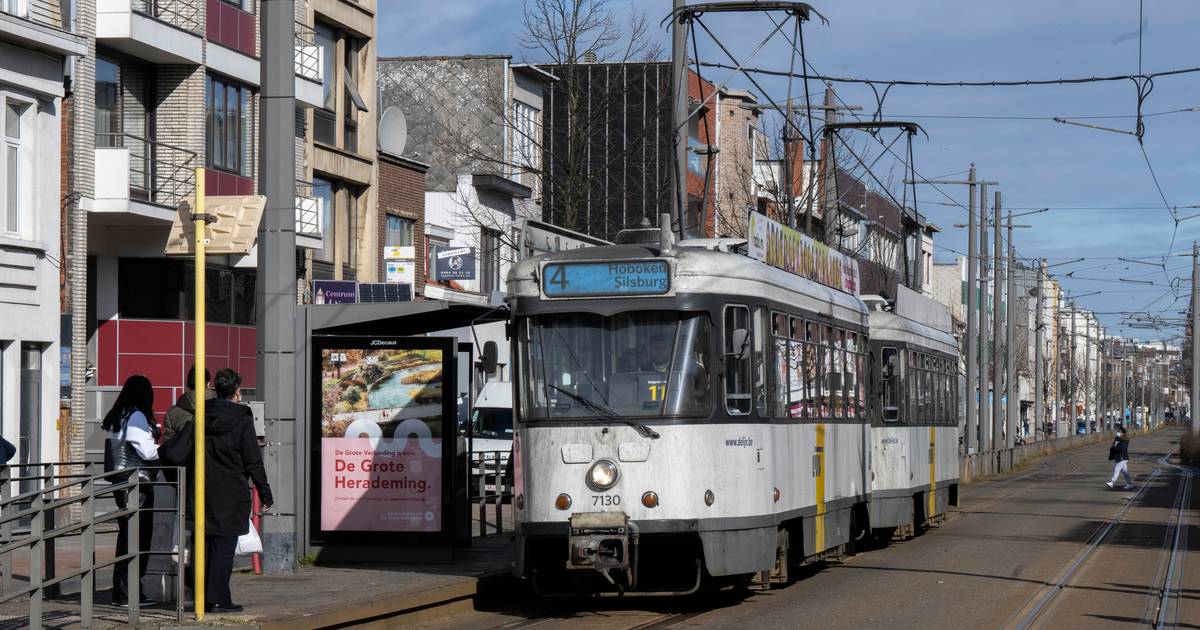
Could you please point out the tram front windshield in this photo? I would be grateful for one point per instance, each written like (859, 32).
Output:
(636, 364)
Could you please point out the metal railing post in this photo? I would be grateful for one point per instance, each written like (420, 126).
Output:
(87, 552)
(51, 522)
(482, 491)
(133, 573)
(181, 551)
(6, 528)
(36, 558)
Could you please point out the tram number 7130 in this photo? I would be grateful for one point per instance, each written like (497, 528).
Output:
(606, 500)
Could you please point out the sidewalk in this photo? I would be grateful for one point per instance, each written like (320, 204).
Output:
(314, 597)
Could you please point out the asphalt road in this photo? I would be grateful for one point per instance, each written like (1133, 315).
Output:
(1049, 546)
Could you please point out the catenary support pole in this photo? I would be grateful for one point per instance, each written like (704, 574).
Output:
(1195, 402)
(985, 388)
(999, 344)
(679, 83)
(971, 424)
(275, 290)
(1072, 386)
(1124, 390)
(1012, 390)
(199, 218)
(1039, 398)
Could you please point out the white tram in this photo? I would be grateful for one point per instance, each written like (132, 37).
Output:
(685, 411)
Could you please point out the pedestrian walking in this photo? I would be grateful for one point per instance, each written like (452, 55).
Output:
(232, 456)
(129, 420)
(179, 416)
(1119, 453)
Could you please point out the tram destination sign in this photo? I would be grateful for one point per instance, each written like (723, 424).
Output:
(784, 248)
(604, 279)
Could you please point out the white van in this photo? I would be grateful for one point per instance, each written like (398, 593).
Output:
(491, 436)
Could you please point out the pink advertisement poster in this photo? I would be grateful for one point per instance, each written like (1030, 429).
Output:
(381, 443)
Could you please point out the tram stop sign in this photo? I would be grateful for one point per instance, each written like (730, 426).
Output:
(232, 226)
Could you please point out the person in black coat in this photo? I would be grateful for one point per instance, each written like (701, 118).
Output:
(231, 457)
(1119, 453)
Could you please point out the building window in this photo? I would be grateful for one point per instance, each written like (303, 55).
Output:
(325, 118)
(108, 103)
(339, 214)
(19, 8)
(433, 244)
(525, 141)
(353, 101)
(228, 115)
(15, 164)
(489, 260)
(323, 192)
(399, 232)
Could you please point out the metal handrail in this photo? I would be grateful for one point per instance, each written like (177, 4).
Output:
(183, 14)
(44, 502)
(161, 173)
(491, 465)
(308, 210)
(308, 54)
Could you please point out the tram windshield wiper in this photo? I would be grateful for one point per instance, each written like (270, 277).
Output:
(642, 429)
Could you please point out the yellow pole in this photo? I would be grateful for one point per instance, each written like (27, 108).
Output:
(201, 391)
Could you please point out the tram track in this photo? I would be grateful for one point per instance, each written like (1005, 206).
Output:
(1163, 594)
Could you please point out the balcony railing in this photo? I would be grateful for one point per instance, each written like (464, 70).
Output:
(308, 211)
(159, 173)
(183, 14)
(308, 54)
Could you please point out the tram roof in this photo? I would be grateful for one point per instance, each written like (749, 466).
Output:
(701, 268)
(886, 326)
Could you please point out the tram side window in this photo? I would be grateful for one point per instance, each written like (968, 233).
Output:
(797, 402)
(912, 405)
(889, 372)
(851, 372)
(738, 357)
(812, 369)
(779, 380)
(838, 385)
(759, 339)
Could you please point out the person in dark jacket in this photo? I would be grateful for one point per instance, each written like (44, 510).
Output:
(1119, 453)
(179, 417)
(231, 457)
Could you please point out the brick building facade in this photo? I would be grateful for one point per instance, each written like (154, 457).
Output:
(402, 197)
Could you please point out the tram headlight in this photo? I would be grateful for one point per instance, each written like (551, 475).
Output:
(602, 475)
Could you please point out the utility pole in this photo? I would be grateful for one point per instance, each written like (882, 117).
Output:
(1013, 406)
(1195, 403)
(1039, 412)
(1071, 384)
(985, 388)
(976, 430)
(998, 438)
(680, 114)
(275, 290)
(970, 422)
(1124, 389)
(830, 209)
(1087, 378)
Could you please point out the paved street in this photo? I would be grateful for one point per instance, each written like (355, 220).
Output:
(996, 562)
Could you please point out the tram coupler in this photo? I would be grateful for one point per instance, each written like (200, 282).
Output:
(601, 542)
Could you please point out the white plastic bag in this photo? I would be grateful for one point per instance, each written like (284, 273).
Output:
(249, 542)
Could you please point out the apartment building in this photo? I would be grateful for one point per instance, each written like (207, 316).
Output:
(37, 48)
(172, 87)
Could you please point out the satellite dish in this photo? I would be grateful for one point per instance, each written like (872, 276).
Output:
(393, 131)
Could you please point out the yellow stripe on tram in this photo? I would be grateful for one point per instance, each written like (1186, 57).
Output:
(819, 473)
(932, 470)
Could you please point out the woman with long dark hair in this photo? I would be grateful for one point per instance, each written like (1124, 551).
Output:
(130, 419)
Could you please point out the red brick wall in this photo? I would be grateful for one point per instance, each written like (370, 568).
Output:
(402, 193)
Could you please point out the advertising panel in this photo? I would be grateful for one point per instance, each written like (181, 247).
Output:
(456, 263)
(784, 248)
(335, 292)
(382, 435)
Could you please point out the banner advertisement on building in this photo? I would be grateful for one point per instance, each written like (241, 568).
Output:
(382, 427)
(784, 248)
(335, 292)
(454, 263)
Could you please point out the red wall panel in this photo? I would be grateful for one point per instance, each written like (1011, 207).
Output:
(127, 347)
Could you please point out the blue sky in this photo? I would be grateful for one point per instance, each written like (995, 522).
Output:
(1038, 162)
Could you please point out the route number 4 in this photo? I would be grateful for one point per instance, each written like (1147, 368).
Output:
(559, 277)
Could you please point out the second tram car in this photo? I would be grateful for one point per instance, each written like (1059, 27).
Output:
(685, 411)
(914, 425)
